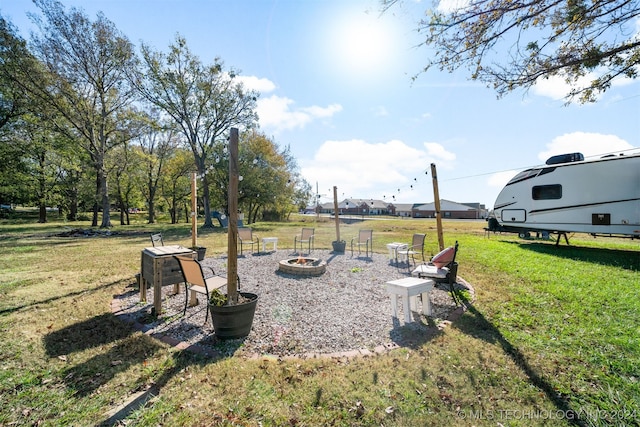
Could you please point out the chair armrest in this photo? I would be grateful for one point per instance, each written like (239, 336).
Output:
(213, 273)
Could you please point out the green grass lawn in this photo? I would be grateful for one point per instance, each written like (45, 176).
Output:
(552, 338)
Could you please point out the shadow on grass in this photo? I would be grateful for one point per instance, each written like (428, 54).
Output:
(477, 325)
(414, 335)
(9, 310)
(117, 346)
(628, 260)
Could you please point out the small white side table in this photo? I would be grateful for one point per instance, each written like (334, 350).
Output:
(408, 288)
(394, 247)
(273, 240)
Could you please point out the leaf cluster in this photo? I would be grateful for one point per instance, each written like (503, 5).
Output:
(510, 44)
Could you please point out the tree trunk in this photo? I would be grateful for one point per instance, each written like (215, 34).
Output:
(94, 220)
(104, 192)
(208, 223)
(72, 199)
(152, 205)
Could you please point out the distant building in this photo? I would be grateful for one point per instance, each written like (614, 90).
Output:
(448, 209)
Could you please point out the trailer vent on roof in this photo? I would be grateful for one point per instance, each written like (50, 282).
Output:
(565, 158)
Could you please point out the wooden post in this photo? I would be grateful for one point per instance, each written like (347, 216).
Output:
(232, 229)
(436, 196)
(335, 209)
(194, 212)
(317, 201)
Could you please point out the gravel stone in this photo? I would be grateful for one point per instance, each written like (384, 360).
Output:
(345, 309)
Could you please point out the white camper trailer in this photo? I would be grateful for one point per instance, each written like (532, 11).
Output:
(569, 194)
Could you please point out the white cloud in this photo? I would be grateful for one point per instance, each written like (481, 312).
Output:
(500, 179)
(322, 112)
(276, 113)
(439, 153)
(380, 111)
(557, 88)
(262, 85)
(589, 144)
(362, 169)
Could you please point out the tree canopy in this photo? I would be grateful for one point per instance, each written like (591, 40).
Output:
(86, 62)
(77, 95)
(204, 101)
(512, 44)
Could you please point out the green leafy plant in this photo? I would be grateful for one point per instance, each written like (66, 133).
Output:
(217, 298)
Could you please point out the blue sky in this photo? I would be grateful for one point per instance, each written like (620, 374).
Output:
(336, 86)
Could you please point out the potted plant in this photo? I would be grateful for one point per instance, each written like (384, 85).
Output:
(201, 251)
(338, 245)
(232, 321)
(232, 314)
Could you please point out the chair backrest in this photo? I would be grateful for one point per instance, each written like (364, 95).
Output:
(307, 233)
(418, 240)
(455, 252)
(156, 239)
(245, 233)
(191, 270)
(365, 235)
(446, 257)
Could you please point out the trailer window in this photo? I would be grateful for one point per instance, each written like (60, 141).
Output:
(546, 192)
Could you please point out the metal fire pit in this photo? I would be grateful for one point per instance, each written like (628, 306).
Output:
(303, 266)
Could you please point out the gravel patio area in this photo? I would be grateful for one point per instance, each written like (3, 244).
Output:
(346, 310)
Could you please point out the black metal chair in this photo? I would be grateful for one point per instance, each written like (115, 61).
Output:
(156, 240)
(442, 268)
(196, 282)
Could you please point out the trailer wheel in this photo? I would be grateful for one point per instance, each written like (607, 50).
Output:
(524, 235)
